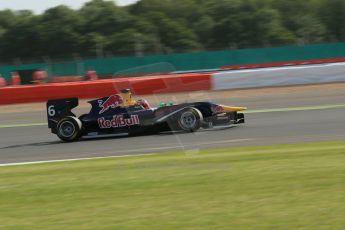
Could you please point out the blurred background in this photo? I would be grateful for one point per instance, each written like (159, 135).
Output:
(103, 28)
(99, 29)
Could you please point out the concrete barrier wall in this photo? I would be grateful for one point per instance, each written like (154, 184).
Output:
(283, 64)
(280, 76)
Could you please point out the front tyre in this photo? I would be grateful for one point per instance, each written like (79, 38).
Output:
(189, 120)
(69, 129)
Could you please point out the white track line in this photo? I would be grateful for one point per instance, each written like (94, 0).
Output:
(126, 151)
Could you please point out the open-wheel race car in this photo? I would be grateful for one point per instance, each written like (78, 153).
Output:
(120, 114)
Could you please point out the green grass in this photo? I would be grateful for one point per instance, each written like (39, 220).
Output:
(274, 187)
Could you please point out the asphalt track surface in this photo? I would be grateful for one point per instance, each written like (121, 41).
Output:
(277, 117)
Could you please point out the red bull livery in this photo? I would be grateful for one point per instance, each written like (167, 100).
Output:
(111, 102)
(110, 115)
(118, 121)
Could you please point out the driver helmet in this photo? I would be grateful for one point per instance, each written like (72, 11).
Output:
(126, 94)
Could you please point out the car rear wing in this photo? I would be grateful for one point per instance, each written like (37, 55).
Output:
(58, 109)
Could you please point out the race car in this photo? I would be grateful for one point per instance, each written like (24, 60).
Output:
(120, 114)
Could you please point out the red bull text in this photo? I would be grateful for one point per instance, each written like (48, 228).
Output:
(112, 102)
(118, 121)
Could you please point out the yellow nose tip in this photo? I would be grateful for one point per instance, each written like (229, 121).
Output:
(228, 109)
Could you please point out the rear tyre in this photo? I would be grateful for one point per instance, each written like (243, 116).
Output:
(189, 120)
(69, 129)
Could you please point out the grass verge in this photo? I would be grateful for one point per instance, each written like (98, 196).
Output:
(274, 187)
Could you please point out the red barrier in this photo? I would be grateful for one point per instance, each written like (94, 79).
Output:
(282, 64)
(95, 89)
(63, 79)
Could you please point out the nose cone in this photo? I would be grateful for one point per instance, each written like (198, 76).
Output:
(229, 109)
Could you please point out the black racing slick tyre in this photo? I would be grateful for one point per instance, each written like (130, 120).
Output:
(189, 120)
(69, 129)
